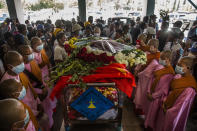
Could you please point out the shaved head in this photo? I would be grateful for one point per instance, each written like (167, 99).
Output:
(166, 55)
(25, 49)
(8, 88)
(188, 61)
(11, 111)
(12, 58)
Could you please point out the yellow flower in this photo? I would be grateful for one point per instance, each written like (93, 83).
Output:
(72, 41)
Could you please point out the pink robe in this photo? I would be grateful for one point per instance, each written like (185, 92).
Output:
(46, 103)
(45, 70)
(145, 80)
(30, 127)
(176, 117)
(29, 98)
(161, 91)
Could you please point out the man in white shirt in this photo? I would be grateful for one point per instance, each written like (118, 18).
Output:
(59, 51)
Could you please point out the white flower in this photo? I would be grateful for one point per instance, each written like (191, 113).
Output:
(109, 54)
(89, 49)
(132, 55)
(98, 52)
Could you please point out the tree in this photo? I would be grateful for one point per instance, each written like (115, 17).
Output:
(174, 6)
(1, 5)
(128, 2)
(184, 2)
(178, 6)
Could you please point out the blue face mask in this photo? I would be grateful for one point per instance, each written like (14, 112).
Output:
(162, 62)
(22, 94)
(179, 70)
(26, 120)
(19, 68)
(39, 48)
(80, 32)
(30, 57)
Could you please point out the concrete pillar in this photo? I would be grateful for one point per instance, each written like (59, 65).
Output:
(150, 7)
(82, 9)
(15, 9)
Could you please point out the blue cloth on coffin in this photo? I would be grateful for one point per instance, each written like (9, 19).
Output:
(92, 104)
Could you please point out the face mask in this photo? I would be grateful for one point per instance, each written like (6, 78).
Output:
(39, 48)
(22, 94)
(19, 68)
(97, 34)
(30, 57)
(179, 70)
(80, 32)
(26, 120)
(162, 62)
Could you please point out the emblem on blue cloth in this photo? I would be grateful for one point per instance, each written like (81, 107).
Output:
(92, 104)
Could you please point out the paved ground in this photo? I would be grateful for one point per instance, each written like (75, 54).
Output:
(129, 121)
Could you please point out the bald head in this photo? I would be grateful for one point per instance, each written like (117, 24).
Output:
(13, 58)
(166, 55)
(188, 61)
(154, 42)
(10, 89)
(25, 50)
(11, 111)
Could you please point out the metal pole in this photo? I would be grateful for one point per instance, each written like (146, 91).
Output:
(192, 3)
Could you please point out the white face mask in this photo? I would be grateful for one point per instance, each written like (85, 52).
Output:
(162, 62)
(179, 70)
(40, 47)
(19, 68)
(97, 34)
(30, 57)
(80, 32)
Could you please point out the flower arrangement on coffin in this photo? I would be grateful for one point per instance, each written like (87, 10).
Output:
(83, 60)
(131, 57)
(73, 40)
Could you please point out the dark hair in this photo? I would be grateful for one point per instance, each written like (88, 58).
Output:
(125, 27)
(49, 21)
(21, 28)
(165, 24)
(119, 32)
(7, 35)
(146, 19)
(60, 35)
(178, 24)
(132, 23)
(27, 22)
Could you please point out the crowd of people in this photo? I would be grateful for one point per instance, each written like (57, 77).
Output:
(166, 84)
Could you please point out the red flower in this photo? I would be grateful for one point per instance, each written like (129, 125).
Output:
(91, 57)
(68, 48)
(138, 42)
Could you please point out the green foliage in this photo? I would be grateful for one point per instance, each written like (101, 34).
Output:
(74, 67)
(174, 6)
(46, 4)
(1, 5)
(164, 15)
